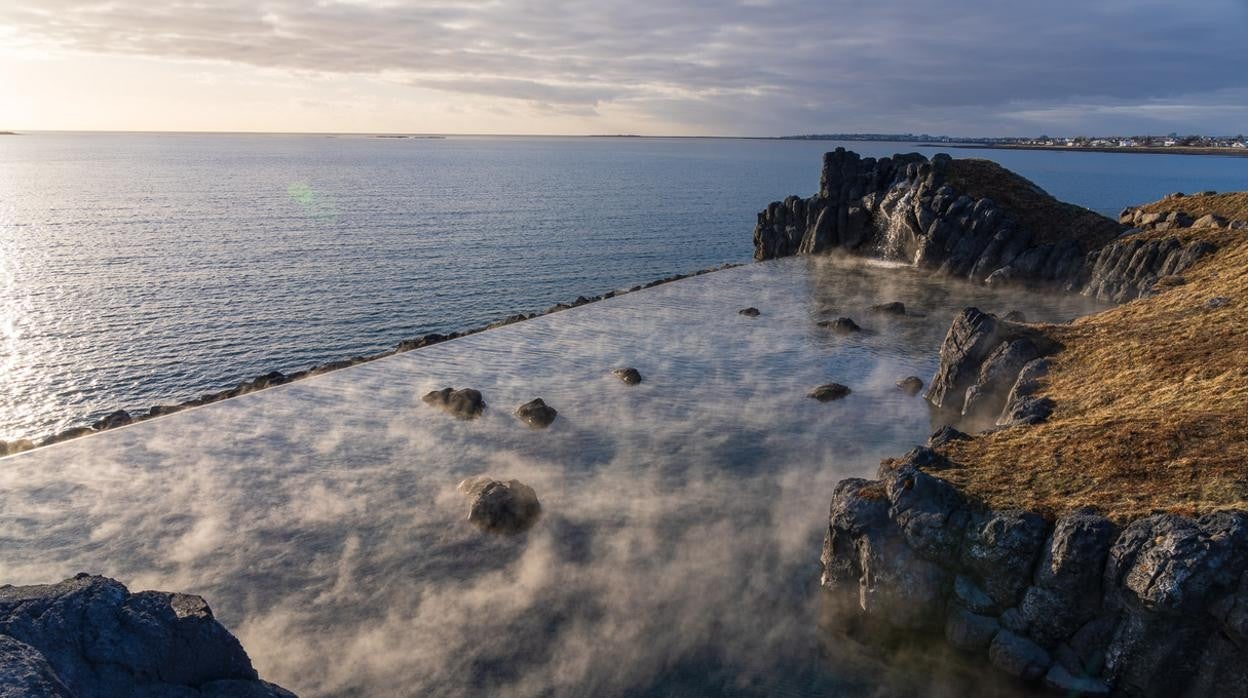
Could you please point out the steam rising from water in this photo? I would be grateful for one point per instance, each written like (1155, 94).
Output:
(678, 552)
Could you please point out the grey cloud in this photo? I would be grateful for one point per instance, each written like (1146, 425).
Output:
(781, 66)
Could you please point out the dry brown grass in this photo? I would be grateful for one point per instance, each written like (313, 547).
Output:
(1232, 206)
(1152, 406)
(1033, 208)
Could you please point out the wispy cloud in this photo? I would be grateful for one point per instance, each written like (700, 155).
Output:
(747, 66)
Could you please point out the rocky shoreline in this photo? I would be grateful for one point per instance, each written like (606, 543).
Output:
(1082, 602)
(120, 418)
(976, 220)
(89, 636)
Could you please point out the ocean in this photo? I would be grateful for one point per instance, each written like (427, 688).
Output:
(138, 269)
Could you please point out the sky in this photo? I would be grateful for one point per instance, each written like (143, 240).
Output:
(652, 67)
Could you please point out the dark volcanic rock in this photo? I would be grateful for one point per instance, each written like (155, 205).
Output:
(95, 638)
(944, 435)
(1014, 316)
(891, 308)
(501, 506)
(910, 385)
(536, 413)
(464, 403)
(120, 418)
(937, 214)
(629, 375)
(751, 312)
(998, 373)
(829, 392)
(841, 325)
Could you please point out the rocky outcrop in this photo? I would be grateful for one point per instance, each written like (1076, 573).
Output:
(1141, 261)
(1157, 608)
(981, 376)
(89, 636)
(937, 214)
(501, 506)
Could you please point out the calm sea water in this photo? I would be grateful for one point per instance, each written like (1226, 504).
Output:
(140, 269)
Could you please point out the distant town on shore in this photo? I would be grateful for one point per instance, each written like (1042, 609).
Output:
(1149, 143)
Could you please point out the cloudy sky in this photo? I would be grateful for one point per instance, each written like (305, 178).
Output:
(750, 67)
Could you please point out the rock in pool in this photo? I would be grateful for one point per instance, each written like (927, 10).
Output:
(892, 308)
(829, 392)
(750, 312)
(536, 413)
(629, 375)
(841, 325)
(464, 403)
(910, 385)
(501, 507)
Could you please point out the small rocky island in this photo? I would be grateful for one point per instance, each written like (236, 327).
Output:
(1085, 525)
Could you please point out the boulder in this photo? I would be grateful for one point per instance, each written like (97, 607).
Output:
(120, 418)
(910, 385)
(499, 506)
(536, 413)
(829, 392)
(970, 632)
(1018, 656)
(97, 639)
(749, 312)
(464, 403)
(630, 376)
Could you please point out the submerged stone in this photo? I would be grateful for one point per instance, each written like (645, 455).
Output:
(464, 403)
(536, 413)
(841, 325)
(829, 392)
(501, 506)
(629, 375)
(891, 308)
(910, 385)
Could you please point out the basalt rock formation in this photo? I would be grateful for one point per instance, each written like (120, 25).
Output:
(976, 220)
(89, 636)
(1154, 609)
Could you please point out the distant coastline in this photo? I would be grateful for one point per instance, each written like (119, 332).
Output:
(8, 133)
(1164, 150)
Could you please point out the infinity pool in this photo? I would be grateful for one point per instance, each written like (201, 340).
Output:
(678, 550)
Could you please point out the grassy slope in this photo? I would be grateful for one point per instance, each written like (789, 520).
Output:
(1033, 208)
(1152, 401)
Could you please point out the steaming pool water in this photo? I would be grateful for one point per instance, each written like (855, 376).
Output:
(678, 550)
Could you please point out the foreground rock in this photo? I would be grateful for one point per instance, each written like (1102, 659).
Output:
(465, 403)
(829, 392)
(536, 413)
(89, 636)
(501, 506)
(1153, 609)
(629, 375)
(749, 312)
